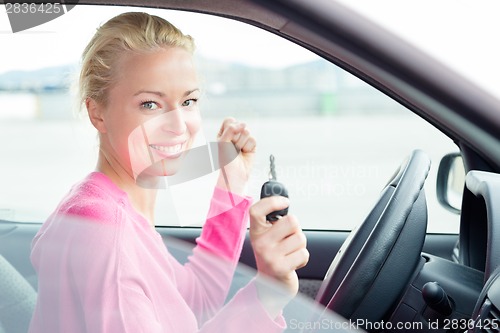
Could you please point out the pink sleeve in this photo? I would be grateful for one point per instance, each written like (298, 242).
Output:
(224, 231)
(244, 314)
(81, 284)
(205, 280)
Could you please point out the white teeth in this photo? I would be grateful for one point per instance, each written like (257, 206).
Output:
(168, 149)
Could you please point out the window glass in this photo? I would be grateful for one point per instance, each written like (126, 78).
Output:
(466, 48)
(335, 139)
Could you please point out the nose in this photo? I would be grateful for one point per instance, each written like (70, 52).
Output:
(175, 122)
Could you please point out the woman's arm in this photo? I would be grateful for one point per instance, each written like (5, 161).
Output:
(205, 280)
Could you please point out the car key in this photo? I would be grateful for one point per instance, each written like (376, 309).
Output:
(271, 188)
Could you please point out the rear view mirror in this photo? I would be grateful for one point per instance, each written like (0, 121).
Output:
(450, 182)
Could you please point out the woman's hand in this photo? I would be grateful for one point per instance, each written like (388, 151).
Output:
(279, 248)
(235, 174)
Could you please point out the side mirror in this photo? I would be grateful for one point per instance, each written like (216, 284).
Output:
(450, 182)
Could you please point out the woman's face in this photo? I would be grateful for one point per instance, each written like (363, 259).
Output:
(152, 115)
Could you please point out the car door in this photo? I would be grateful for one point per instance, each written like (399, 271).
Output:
(331, 135)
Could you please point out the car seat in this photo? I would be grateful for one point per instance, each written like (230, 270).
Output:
(17, 299)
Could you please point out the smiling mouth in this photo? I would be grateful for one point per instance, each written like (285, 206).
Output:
(168, 150)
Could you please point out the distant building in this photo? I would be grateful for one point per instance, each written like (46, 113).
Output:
(308, 89)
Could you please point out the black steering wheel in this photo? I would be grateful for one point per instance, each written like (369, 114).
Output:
(376, 262)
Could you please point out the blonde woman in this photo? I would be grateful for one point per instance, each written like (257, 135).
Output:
(102, 267)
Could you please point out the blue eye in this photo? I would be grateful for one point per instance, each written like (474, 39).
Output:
(150, 105)
(190, 102)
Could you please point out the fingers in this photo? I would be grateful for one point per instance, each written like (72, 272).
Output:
(225, 123)
(293, 243)
(282, 237)
(280, 248)
(246, 143)
(294, 248)
(237, 133)
(236, 166)
(280, 259)
(296, 259)
(230, 130)
(260, 209)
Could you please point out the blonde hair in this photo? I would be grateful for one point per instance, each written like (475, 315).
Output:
(128, 32)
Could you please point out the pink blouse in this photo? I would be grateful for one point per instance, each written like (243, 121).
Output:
(102, 268)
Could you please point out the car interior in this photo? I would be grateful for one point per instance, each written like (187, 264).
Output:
(403, 229)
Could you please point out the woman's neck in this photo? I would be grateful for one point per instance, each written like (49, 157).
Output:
(142, 198)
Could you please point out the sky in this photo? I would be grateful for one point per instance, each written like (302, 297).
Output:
(75, 28)
(462, 34)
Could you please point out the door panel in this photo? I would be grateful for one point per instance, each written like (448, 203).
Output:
(15, 244)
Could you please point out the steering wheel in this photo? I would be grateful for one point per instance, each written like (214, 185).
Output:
(376, 262)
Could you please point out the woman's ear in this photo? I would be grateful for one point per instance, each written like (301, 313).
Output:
(95, 111)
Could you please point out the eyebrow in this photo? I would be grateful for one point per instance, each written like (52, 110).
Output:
(160, 94)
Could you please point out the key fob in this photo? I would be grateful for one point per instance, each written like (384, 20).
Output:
(272, 188)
